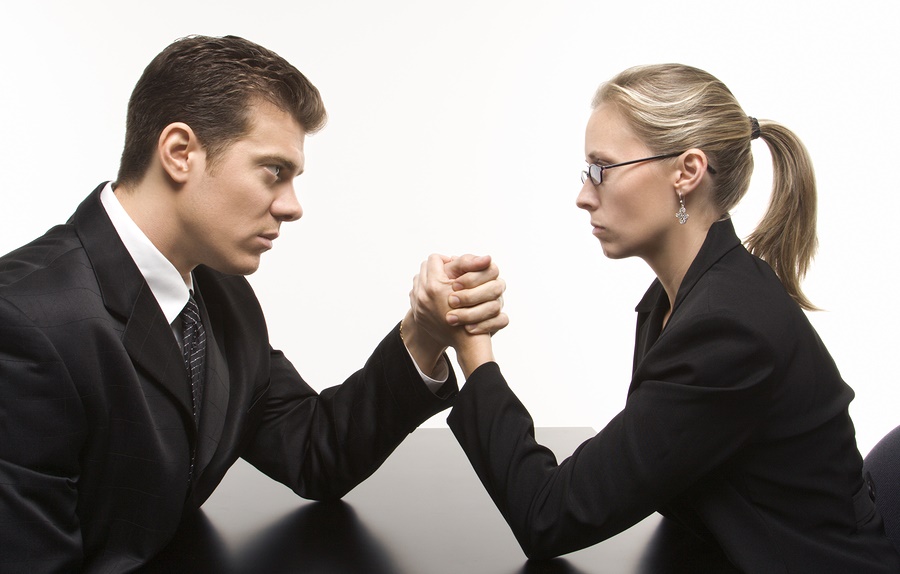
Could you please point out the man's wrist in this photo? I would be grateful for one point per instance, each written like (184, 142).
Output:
(426, 353)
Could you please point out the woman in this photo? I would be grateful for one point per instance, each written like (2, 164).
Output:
(736, 421)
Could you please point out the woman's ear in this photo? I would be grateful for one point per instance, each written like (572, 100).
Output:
(690, 170)
(176, 146)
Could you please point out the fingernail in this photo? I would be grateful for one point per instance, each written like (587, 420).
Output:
(458, 287)
(452, 319)
(454, 301)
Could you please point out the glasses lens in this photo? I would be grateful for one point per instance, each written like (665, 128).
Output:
(595, 172)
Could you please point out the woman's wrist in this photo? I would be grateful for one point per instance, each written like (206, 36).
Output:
(472, 351)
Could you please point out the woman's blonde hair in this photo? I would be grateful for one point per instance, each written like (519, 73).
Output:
(672, 107)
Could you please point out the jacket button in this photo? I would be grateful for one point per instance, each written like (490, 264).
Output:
(871, 484)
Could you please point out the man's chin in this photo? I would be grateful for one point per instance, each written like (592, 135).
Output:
(234, 268)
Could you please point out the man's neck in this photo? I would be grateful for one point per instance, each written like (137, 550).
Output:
(150, 205)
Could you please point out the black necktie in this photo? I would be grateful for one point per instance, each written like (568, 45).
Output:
(194, 349)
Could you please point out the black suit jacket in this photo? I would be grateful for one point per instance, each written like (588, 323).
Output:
(95, 405)
(736, 425)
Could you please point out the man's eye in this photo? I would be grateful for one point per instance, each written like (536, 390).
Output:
(274, 169)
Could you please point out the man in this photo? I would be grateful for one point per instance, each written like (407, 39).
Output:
(135, 366)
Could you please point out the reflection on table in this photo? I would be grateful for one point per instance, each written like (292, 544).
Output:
(423, 512)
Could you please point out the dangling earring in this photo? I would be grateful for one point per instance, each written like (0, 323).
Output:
(682, 213)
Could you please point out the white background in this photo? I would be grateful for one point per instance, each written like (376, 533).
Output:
(458, 127)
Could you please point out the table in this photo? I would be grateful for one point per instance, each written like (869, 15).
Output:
(423, 512)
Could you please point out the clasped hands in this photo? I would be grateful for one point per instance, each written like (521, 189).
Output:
(454, 302)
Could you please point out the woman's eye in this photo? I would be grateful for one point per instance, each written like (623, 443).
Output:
(274, 169)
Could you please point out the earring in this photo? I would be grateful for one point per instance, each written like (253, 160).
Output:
(682, 213)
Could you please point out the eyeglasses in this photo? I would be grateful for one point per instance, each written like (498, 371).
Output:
(595, 171)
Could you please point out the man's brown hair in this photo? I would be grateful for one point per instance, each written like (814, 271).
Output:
(209, 83)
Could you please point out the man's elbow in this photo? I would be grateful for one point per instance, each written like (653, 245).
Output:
(539, 545)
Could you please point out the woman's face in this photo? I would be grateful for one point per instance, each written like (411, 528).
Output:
(633, 210)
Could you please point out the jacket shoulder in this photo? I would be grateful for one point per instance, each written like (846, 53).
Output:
(51, 280)
(54, 248)
(746, 287)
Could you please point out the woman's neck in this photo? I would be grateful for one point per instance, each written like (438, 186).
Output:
(672, 263)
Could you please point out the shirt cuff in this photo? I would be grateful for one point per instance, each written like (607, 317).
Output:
(441, 372)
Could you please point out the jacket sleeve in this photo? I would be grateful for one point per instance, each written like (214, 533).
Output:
(695, 403)
(323, 444)
(42, 428)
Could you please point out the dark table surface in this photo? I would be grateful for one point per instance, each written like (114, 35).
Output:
(423, 512)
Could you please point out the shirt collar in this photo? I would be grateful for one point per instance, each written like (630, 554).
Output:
(165, 282)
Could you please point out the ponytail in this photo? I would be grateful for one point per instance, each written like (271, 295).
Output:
(786, 236)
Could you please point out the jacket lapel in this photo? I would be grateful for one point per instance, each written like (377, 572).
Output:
(147, 336)
(720, 240)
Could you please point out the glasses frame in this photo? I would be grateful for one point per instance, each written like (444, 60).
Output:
(595, 171)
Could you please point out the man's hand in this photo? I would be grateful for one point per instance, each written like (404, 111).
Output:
(452, 300)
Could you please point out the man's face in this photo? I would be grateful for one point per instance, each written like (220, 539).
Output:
(231, 211)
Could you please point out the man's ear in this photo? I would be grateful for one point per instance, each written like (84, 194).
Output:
(177, 149)
(690, 171)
